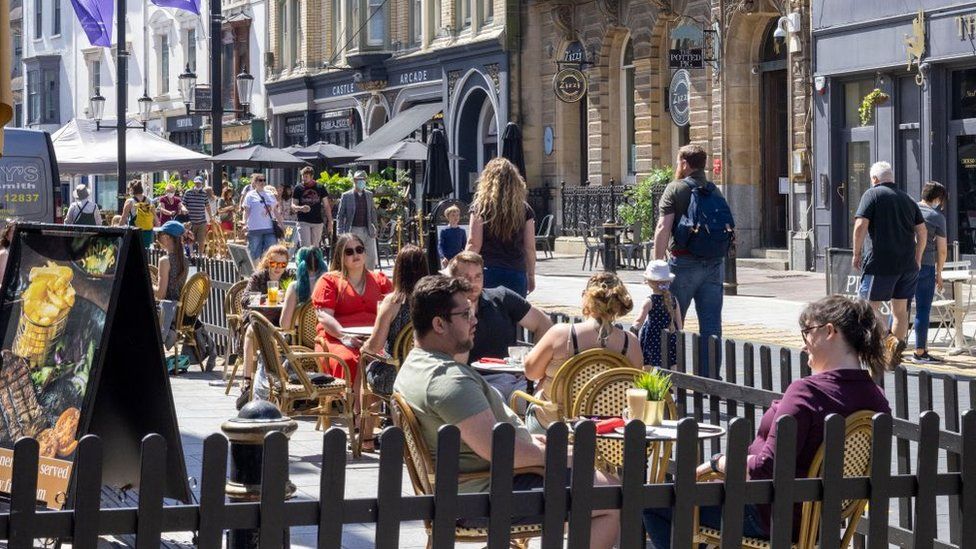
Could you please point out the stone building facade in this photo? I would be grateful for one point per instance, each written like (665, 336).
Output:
(758, 143)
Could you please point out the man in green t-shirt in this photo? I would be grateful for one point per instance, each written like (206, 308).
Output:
(442, 391)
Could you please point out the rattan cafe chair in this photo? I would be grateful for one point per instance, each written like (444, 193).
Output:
(606, 395)
(857, 463)
(570, 378)
(376, 405)
(234, 313)
(287, 394)
(420, 467)
(193, 297)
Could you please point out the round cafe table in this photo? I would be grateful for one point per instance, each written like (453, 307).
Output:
(259, 303)
(358, 331)
(667, 431)
(496, 368)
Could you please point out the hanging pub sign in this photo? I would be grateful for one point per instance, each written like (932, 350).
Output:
(569, 85)
(679, 98)
(687, 48)
(64, 287)
(203, 98)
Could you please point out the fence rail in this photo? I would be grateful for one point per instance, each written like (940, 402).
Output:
(587, 207)
(552, 506)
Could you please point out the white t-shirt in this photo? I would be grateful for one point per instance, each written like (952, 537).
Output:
(257, 214)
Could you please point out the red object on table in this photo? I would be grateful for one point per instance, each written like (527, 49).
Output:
(488, 360)
(608, 425)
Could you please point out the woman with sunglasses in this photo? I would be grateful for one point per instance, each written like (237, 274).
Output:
(261, 210)
(347, 296)
(273, 267)
(842, 337)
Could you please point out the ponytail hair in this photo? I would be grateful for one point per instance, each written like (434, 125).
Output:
(857, 323)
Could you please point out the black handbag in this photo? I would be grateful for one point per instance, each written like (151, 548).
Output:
(275, 226)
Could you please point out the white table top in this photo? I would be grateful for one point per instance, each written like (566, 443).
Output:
(956, 275)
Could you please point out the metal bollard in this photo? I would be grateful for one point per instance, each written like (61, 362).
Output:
(246, 433)
(610, 246)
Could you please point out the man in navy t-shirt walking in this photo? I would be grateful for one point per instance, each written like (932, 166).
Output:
(889, 240)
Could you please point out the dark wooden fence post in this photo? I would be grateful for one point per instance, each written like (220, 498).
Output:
(500, 491)
(880, 475)
(332, 488)
(928, 462)
(581, 507)
(554, 488)
(784, 475)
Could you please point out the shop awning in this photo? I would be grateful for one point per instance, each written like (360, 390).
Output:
(398, 128)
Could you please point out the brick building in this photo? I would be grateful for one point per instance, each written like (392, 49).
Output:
(758, 145)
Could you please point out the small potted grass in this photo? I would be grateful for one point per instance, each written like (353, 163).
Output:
(658, 387)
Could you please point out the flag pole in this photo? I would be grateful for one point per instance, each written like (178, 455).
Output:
(121, 69)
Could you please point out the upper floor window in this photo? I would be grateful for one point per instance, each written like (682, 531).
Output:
(191, 49)
(94, 76)
(416, 22)
(376, 27)
(56, 20)
(163, 64)
(290, 33)
(338, 36)
(487, 10)
(33, 97)
(38, 18)
(435, 17)
(464, 13)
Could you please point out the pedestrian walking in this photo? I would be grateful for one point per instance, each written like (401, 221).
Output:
(261, 212)
(357, 215)
(659, 314)
(311, 200)
(889, 241)
(696, 226)
(83, 211)
(930, 273)
(195, 202)
(170, 205)
(285, 195)
(503, 228)
(225, 210)
(139, 212)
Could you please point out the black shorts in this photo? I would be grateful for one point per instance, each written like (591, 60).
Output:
(887, 287)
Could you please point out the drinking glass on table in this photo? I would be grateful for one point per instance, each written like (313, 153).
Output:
(272, 292)
(516, 355)
(636, 402)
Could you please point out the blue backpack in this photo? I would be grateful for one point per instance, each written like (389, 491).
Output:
(707, 229)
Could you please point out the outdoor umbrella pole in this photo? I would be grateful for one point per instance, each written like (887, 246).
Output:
(121, 56)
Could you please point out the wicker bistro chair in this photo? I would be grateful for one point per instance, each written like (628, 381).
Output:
(234, 313)
(287, 394)
(420, 466)
(154, 275)
(377, 404)
(857, 463)
(193, 297)
(570, 378)
(606, 395)
(304, 329)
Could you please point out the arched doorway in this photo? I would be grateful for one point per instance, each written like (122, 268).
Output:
(476, 136)
(377, 117)
(774, 139)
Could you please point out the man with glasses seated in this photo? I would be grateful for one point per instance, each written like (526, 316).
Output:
(442, 391)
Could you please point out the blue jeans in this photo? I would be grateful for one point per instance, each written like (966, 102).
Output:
(924, 292)
(657, 522)
(514, 280)
(701, 280)
(258, 242)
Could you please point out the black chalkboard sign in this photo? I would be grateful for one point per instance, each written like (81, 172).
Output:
(841, 277)
(68, 369)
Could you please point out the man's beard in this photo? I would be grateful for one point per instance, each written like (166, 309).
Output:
(464, 346)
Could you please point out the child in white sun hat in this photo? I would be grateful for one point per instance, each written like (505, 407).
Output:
(660, 313)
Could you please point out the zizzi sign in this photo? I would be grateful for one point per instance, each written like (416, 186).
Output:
(570, 85)
(679, 98)
(574, 53)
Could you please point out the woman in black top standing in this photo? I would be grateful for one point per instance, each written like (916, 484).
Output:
(503, 228)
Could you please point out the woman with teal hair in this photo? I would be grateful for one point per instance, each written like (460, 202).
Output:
(309, 266)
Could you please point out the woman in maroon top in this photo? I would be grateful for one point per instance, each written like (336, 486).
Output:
(841, 335)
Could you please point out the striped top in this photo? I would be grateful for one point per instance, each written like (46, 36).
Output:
(195, 201)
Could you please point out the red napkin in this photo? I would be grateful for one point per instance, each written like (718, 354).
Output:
(488, 360)
(608, 425)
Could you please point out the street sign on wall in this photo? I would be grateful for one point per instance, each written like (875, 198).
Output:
(679, 98)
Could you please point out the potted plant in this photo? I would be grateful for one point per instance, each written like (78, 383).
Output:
(870, 101)
(657, 384)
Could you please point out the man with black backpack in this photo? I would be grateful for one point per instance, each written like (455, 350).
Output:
(695, 225)
(83, 211)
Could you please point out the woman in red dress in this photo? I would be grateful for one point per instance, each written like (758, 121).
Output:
(347, 296)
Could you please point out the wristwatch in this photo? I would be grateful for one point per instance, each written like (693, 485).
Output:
(714, 462)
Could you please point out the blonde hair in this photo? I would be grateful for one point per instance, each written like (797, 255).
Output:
(452, 210)
(500, 199)
(277, 249)
(464, 257)
(337, 265)
(170, 188)
(606, 299)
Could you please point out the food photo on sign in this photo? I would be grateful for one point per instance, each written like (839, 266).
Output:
(57, 292)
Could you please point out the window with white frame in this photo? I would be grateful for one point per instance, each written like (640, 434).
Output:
(291, 31)
(464, 14)
(191, 49)
(162, 58)
(33, 97)
(38, 19)
(376, 27)
(56, 20)
(338, 36)
(487, 11)
(435, 17)
(629, 137)
(94, 76)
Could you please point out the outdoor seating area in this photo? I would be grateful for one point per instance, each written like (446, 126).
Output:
(703, 416)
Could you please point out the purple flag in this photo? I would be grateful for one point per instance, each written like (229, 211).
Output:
(192, 6)
(95, 17)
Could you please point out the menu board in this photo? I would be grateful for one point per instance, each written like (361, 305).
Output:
(61, 289)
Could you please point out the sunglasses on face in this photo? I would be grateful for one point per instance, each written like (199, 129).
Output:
(277, 264)
(358, 250)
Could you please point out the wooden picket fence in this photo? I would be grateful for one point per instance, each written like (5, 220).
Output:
(553, 506)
